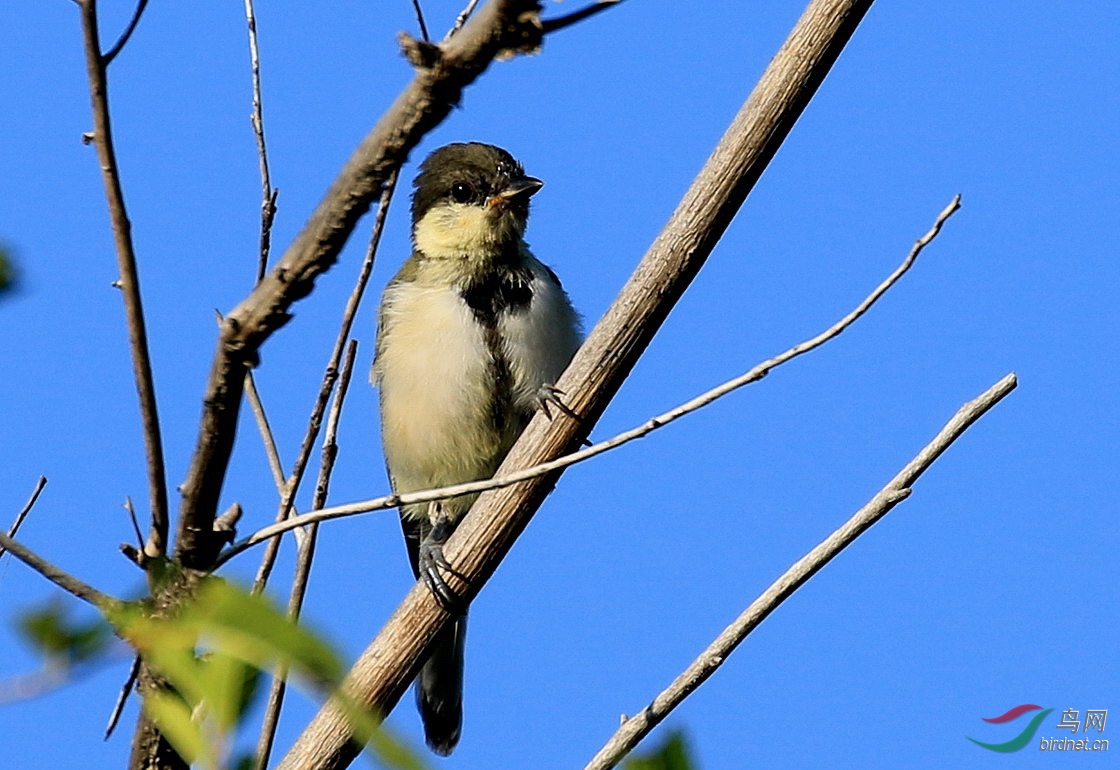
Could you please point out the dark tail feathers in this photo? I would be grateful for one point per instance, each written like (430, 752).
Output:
(439, 689)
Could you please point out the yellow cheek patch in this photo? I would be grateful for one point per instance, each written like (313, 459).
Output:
(451, 231)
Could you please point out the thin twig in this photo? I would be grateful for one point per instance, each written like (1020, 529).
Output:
(265, 429)
(552, 25)
(305, 555)
(268, 195)
(122, 697)
(649, 426)
(634, 729)
(420, 20)
(135, 522)
(461, 19)
(135, 554)
(271, 450)
(129, 276)
(26, 509)
(123, 39)
(329, 377)
(59, 577)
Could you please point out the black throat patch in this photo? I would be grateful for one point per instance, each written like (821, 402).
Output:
(497, 292)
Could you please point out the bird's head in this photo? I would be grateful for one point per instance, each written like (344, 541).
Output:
(470, 199)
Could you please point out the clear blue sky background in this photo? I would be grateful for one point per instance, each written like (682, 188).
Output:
(996, 584)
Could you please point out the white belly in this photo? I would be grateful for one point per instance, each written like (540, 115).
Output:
(437, 380)
(433, 372)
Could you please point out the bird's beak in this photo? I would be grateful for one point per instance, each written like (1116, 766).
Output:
(516, 190)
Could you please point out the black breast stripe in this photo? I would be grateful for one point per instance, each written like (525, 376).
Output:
(496, 293)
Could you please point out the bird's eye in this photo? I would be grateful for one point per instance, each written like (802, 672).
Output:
(462, 192)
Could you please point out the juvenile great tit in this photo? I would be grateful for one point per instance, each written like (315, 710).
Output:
(472, 332)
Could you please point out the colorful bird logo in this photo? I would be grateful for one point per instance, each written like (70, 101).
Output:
(1023, 738)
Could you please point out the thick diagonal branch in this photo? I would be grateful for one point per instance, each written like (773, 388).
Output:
(385, 668)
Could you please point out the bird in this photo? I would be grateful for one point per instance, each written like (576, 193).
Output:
(473, 333)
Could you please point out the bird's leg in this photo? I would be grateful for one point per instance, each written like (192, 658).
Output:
(431, 560)
(548, 394)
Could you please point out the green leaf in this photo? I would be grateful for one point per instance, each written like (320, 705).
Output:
(673, 754)
(246, 761)
(222, 680)
(252, 628)
(387, 749)
(212, 653)
(62, 639)
(391, 752)
(174, 719)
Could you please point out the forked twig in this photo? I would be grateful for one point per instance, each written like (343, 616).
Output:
(265, 429)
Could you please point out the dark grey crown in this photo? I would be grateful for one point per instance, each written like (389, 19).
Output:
(465, 172)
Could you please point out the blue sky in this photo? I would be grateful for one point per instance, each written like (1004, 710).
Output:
(995, 584)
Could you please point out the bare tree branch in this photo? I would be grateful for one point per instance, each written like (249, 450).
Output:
(305, 555)
(500, 26)
(59, 577)
(129, 275)
(755, 374)
(26, 509)
(383, 671)
(634, 729)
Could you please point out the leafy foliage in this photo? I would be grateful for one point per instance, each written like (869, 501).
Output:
(212, 653)
(62, 640)
(673, 754)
